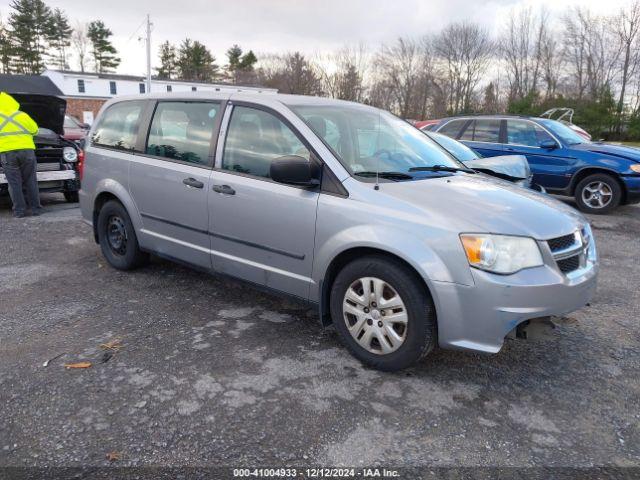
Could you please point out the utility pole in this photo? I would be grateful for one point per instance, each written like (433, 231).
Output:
(148, 53)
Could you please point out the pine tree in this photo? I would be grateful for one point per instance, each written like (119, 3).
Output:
(60, 38)
(248, 61)
(5, 49)
(31, 27)
(168, 61)
(234, 55)
(195, 62)
(104, 54)
(239, 65)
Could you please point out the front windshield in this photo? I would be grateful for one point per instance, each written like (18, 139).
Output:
(566, 134)
(366, 140)
(457, 149)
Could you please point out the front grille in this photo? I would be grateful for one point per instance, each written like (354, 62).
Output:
(570, 264)
(560, 243)
(48, 167)
(49, 154)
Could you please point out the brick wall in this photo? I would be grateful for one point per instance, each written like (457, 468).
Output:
(75, 106)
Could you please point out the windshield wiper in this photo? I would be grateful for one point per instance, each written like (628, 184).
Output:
(441, 168)
(386, 175)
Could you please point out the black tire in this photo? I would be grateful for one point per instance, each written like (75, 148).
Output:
(113, 219)
(71, 197)
(611, 185)
(421, 328)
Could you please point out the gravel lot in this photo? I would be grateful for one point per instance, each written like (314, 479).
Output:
(211, 372)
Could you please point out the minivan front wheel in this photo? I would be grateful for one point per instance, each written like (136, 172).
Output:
(598, 193)
(383, 313)
(117, 237)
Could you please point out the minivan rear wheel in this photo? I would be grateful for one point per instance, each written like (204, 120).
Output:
(599, 193)
(117, 237)
(383, 313)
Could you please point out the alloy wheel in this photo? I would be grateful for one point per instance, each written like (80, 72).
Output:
(597, 194)
(375, 315)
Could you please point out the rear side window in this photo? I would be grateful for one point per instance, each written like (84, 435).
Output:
(118, 126)
(182, 131)
(486, 131)
(452, 129)
(255, 138)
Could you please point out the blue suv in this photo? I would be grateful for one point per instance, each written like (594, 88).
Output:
(599, 176)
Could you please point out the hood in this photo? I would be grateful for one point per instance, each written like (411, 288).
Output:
(621, 151)
(511, 166)
(47, 111)
(481, 204)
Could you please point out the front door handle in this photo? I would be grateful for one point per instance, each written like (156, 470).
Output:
(224, 189)
(193, 183)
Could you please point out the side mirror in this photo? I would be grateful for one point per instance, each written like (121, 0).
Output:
(295, 170)
(549, 145)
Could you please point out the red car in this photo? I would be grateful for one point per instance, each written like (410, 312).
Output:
(74, 130)
(426, 124)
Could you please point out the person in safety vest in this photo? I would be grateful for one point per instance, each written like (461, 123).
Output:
(17, 155)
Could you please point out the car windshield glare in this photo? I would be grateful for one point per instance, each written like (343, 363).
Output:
(369, 140)
(566, 134)
(457, 149)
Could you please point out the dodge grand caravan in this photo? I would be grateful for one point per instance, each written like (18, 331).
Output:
(345, 206)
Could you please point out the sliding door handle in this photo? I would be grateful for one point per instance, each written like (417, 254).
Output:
(224, 189)
(193, 183)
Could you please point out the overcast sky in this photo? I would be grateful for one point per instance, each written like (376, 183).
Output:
(312, 26)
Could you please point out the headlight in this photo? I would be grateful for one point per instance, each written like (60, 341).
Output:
(501, 253)
(636, 167)
(70, 154)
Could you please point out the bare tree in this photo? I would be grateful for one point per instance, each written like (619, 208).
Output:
(343, 72)
(526, 46)
(290, 73)
(81, 44)
(464, 51)
(403, 77)
(591, 52)
(627, 28)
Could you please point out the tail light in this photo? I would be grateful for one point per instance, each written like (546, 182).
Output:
(81, 164)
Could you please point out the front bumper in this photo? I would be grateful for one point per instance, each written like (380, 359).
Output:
(632, 186)
(478, 317)
(51, 176)
(50, 181)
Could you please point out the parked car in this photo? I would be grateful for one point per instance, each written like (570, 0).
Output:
(341, 205)
(512, 168)
(57, 158)
(565, 115)
(599, 176)
(75, 130)
(426, 125)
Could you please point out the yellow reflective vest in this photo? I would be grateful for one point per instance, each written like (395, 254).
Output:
(16, 128)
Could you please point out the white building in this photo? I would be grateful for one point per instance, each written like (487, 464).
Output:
(86, 92)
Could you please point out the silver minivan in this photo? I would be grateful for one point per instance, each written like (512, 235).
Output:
(342, 205)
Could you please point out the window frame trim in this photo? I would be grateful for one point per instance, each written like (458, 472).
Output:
(142, 146)
(224, 130)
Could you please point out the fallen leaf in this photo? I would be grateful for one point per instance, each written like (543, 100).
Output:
(78, 365)
(115, 345)
(113, 456)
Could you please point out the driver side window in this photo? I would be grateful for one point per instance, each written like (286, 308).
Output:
(255, 138)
